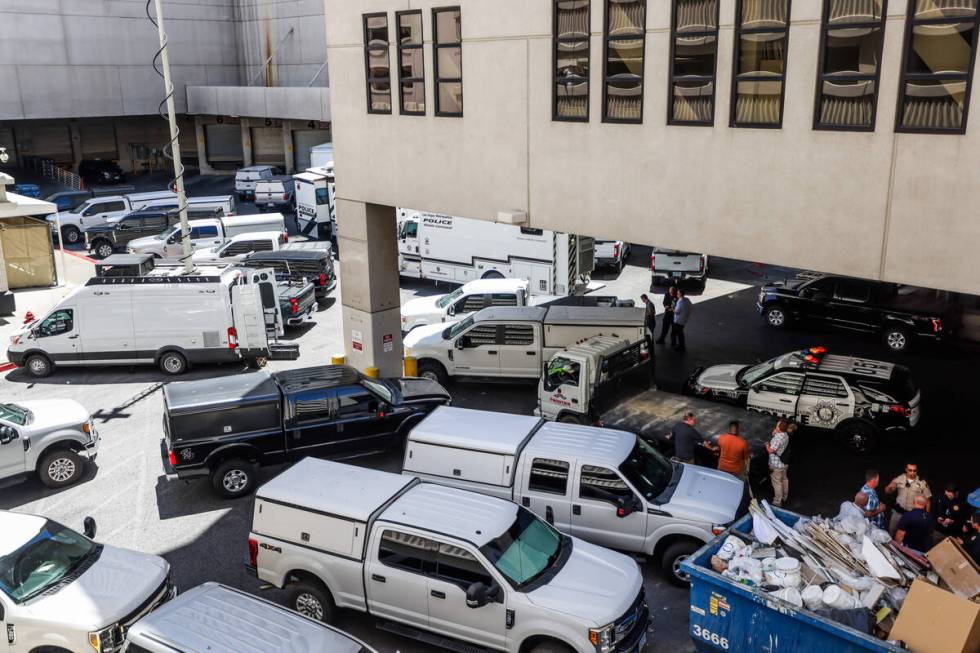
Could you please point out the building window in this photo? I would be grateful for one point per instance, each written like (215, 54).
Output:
(376, 63)
(850, 63)
(411, 69)
(448, 53)
(625, 36)
(937, 71)
(694, 54)
(571, 84)
(761, 34)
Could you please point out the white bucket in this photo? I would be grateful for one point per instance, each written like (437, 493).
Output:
(731, 546)
(784, 572)
(812, 597)
(835, 597)
(790, 595)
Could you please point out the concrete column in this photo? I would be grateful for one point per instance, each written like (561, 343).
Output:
(287, 144)
(369, 286)
(202, 151)
(247, 155)
(75, 134)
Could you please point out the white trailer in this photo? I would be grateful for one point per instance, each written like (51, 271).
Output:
(316, 208)
(447, 248)
(321, 156)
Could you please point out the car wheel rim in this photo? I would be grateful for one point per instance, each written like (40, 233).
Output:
(172, 364)
(776, 318)
(235, 480)
(71, 237)
(105, 251)
(431, 376)
(896, 340)
(61, 470)
(678, 572)
(37, 365)
(309, 606)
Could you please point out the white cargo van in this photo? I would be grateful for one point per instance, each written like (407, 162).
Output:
(604, 486)
(447, 248)
(246, 178)
(100, 210)
(168, 319)
(208, 232)
(444, 566)
(316, 209)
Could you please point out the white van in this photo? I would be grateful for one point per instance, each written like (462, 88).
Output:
(209, 232)
(246, 178)
(168, 319)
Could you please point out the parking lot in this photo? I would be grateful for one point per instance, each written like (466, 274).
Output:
(204, 538)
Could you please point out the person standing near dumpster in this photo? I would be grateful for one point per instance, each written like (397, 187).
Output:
(778, 469)
(915, 527)
(733, 452)
(951, 512)
(651, 315)
(906, 487)
(875, 506)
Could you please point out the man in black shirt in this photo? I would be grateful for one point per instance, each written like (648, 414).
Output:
(915, 527)
(951, 512)
(686, 437)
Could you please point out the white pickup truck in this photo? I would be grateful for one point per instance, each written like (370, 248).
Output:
(611, 254)
(101, 210)
(61, 592)
(605, 486)
(239, 246)
(466, 300)
(512, 342)
(442, 565)
(207, 232)
(670, 266)
(49, 437)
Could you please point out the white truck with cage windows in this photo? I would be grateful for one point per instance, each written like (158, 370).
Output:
(605, 486)
(442, 565)
(316, 207)
(52, 438)
(515, 341)
(99, 210)
(447, 248)
(166, 319)
(207, 232)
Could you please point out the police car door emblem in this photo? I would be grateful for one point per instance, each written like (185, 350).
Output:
(825, 412)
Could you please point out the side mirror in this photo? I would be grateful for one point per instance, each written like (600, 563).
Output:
(7, 434)
(171, 240)
(451, 310)
(478, 594)
(462, 343)
(89, 526)
(627, 506)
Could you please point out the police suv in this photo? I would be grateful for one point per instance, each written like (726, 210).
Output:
(857, 398)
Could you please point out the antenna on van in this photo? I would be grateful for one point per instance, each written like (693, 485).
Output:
(174, 145)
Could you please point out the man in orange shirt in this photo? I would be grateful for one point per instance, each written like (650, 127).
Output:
(734, 452)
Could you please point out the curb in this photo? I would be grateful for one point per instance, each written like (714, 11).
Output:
(81, 256)
(6, 367)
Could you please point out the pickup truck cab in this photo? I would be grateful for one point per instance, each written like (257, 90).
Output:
(205, 233)
(52, 438)
(236, 622)
(671, 266)
(442, 565)
(611, 254)
(60, 591)
(896, 314)
(464, 301)
(225, 428)
(239, 246)
(605, 486)
(513, 342)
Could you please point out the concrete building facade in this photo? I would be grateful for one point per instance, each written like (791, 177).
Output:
(77, 81)
(838, 138)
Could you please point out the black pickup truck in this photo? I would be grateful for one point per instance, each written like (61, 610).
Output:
(897, 314)
(104, 240)
(225, 428)
(294, 264)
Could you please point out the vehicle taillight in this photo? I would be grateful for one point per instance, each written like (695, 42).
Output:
(323, 278)
(701, 267)
(616, 250)
(294, 304)
(644, 351)
(172, 457)
(253, 552)
(285, 236)
(285, 197)
(937, 325)
(904, 411)
(653, 261)
(232, 338)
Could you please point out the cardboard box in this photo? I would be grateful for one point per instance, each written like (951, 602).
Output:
(933, 620)
(955, 567)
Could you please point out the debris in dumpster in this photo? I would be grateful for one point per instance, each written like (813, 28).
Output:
(936, 620)
(956, 568)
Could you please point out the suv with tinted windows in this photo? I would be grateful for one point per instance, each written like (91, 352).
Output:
(857, 398)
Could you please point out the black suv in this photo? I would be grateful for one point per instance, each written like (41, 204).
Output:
(857, 398)
(99, 171)
(103, 240)
(895, 313)
(225, 428)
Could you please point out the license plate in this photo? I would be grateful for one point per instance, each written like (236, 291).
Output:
(676, 274)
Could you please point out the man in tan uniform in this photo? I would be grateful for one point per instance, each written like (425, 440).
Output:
(906, 486)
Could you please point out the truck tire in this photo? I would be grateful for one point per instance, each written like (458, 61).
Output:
(60, 467)
(896, 338)
(859, 436)
(71, 234)
(776, 316)
(433, 371)
(233, 478)
(172, 363)
(311, 599)
(102, 248)
(38, 366)
(550, 647)
(672, 558)
(257, 363)
(569, 418)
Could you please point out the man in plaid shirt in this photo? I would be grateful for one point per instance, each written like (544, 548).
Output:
(875, 506)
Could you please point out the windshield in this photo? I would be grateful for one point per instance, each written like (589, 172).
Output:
(81, 207)
(377, 388)
(14, 414)
(446, 300)
(749, 375)
(166, 233)
(459, 327)
(526, 550)
(50, 556)
(647, 470)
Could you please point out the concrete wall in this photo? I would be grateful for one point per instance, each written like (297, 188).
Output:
(879, 205)
(280, 102)
(264, 24)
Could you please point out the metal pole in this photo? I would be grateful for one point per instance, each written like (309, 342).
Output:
(185, 240)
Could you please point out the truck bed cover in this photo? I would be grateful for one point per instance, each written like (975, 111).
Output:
(603, 315)
(463, 428)
(335, 489)
(231, 391)
(600, 445)
(465, 515)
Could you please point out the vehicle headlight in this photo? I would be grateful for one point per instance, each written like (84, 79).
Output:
(87, 428)
(103, 641)
(603, 638)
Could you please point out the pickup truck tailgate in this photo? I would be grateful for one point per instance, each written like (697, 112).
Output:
(667, 262)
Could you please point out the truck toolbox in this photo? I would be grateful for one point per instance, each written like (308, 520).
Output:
(729, 616)
(283, 351)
